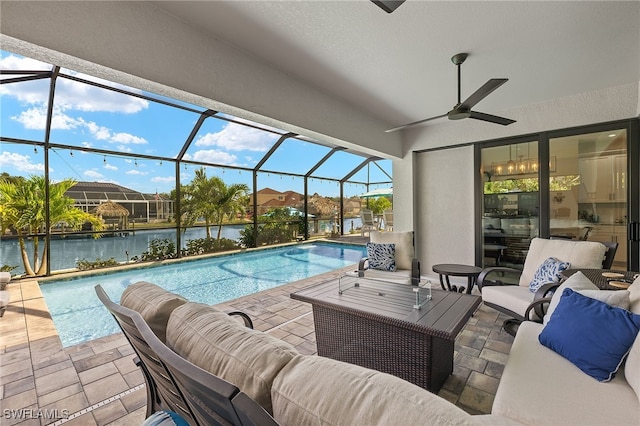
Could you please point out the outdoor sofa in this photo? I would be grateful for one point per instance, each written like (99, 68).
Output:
(295, 389)
(542, 387)
(538, 386)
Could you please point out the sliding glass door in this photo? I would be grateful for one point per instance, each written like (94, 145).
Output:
(588, 189)
(510, 202)
(578, 184)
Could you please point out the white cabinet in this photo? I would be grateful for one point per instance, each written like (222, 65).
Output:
(604, 179)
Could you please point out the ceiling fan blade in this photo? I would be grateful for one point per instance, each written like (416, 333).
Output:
(482, 92)
(404, 126)
(491, 118)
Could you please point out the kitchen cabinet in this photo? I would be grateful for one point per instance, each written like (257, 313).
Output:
(604, 179)
(616, 233)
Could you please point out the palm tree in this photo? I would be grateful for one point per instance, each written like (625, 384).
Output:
(212, 200)
(23, 209)
(231, 201)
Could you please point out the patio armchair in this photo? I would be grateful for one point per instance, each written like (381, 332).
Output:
(391, 257)
(515, 298)
(368, 221)
(387, 217)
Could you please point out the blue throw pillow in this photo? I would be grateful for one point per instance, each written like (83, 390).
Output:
(548, 272)
(382, 256)
(592, 335)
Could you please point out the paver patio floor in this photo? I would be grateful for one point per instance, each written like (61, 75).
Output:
(96, 383)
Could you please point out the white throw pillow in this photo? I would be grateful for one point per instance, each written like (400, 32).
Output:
(577, 281)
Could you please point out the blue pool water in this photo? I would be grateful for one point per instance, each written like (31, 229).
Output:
(79, 316)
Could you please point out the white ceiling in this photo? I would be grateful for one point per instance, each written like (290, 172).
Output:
(397, 66)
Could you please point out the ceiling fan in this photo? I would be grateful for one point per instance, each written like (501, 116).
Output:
(463, 109)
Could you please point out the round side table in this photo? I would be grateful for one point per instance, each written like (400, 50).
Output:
(456, 270)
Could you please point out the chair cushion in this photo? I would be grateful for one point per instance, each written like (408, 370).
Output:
(512, 297)
(210, 339)
(548, 272)
(313, 390)
(382, 256)
(403, 244)
(591, 334)
(154, 304)
(580, 254)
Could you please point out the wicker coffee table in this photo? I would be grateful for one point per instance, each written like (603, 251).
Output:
(375, 325)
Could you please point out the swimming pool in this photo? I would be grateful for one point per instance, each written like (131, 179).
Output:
(79, 316)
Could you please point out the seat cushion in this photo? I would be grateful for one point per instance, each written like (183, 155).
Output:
(632, 365)
(580, 254)
(403, 245)
(513, 297)
(154, 303)
(210, 339)
(540, 387)
(313, 390)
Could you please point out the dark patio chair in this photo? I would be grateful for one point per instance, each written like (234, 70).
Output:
(211, 399)
(175, 384)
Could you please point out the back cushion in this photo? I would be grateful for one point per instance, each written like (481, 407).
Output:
(154, 303)
(210, 339)
(403, 245)
(580, 254)
(313, 390)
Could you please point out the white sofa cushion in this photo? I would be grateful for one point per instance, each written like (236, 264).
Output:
(210, 339)
(513, 297)
(403, 245)
(540, 387)
(154, 304)
(313, 390)
(632, 365)
(580, 254)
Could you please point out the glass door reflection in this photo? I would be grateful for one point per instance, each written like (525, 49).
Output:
(588, 189)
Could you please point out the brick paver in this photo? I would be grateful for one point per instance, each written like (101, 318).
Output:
(37, 374)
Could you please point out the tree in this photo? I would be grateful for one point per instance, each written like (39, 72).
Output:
(23, 210)
(379, 204)
(212, 200)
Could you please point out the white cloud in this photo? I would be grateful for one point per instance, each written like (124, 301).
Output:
(214, 156)
(36, 118)
(236, 137)
(19, 162)
(124, 148)
(69, 93)
(136, 172)
(110, 167)
(167, 179)
(127, 138)
(93, 174)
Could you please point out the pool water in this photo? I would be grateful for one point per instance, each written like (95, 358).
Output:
(79, 316)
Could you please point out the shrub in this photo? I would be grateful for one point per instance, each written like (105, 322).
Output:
(209, 245)
(158, 250)
(85, 265)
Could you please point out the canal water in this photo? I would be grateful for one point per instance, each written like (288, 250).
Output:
(65, 253)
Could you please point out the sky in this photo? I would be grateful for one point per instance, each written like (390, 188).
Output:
(92, 117)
